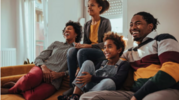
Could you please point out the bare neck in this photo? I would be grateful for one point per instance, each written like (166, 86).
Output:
(95, 19)
(70, 41)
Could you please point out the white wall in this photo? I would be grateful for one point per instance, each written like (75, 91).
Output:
(8, 24)
(59, 13)
(166, 11)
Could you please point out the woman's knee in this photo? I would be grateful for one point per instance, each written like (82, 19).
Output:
(72, 51)
(81, 52)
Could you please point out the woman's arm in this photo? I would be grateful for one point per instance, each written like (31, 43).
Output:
(44, 55)
(56, 75)
(86, 32)
(39, 61)
(46, 73)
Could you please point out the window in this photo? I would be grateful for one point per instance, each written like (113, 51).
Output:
(40, 25)
(116, 15)
(117, 25)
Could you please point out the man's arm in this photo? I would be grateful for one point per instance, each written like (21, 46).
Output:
(168, 75)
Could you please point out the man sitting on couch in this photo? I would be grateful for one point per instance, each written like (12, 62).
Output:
(154, 60)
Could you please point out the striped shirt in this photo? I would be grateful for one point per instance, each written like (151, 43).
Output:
(156, 64)
(55, 59)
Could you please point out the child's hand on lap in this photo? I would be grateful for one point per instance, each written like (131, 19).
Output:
(84, 79)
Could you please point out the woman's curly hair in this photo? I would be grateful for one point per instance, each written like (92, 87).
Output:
(118, 40)
(78, 29)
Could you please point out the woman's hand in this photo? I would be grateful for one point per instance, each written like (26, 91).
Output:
(46, 73)
(133, 98)
(86, 78)
(79, 46)
(55, 75)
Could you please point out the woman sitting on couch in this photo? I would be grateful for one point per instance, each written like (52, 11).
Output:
(51, 65)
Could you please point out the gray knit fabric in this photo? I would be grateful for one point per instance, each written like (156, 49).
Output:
(55, 59)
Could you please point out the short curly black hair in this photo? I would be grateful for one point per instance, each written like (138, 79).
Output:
(77, 27)
(118, 40)
(149, 18)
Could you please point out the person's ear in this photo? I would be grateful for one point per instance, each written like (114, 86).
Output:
(151, 26)
(119, 50)
(76, 35)
(100, 8)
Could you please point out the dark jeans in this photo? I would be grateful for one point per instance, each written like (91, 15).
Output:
(78, 56)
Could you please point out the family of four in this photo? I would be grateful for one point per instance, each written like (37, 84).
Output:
(147, 71)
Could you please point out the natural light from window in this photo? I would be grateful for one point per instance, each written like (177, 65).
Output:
(117, 25)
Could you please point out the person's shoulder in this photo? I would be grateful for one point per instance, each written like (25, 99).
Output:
(124, 61)
(57, 42)
(126, 54)
(104, 19)
(128, 50)
(164, 36)
(88, 22)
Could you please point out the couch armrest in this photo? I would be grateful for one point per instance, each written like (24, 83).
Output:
(16, 70)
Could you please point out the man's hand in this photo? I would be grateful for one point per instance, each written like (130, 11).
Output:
(46, 73)
(55, 75)
(133, 98)
(86, 78)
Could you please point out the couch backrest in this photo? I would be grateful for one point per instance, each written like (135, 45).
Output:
(15, 70)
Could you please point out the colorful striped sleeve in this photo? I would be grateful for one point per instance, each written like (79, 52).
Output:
(168, 75)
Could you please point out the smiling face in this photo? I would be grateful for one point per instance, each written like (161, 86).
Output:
(139, 28)
(69, 33)
(93, 8)
(110, 49)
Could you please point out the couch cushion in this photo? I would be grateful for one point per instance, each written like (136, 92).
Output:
(12, 97)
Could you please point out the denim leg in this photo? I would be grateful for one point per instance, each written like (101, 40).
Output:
(105, 84)
(92, 54)
(88, 66)
(72, 63)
